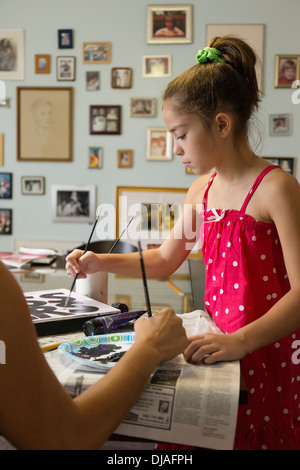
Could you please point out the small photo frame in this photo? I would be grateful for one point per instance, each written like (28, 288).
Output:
(95, 157)
(12, 54)
(105, 119)
(96, 52)
(159, 144)
(33, 185)
(125, 158)
(157, 66)
(5, 185)
(65, 38)
(65, 68)
(286, 163)
(280, 124)
(5, 221)
(1, 149)
(92, 81)
(142, 107)
(42, 63)
(70, 203)
(286, 70)
(121, 77)
(169, 24)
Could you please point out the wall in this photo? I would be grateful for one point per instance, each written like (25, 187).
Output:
(123, 23)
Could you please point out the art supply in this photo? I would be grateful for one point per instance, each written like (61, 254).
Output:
(148, 306)
(108, 323)
(175, 288)
(50, 347)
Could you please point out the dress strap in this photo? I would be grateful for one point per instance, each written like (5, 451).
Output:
(255, 185)
(204, 200)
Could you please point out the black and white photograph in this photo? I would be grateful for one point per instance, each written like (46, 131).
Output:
(33, 185)
(70, 203)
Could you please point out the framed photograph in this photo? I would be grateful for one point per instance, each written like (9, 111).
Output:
(95, 157)
(33, 185)
(5, 185)
(1, 149)
(159, 144)
(157, 66)
(121, 77)
(5, 221)
(65, 38)
(142, 107)
(92, 81)
(169, 24)
(44, 124)
(286, 163)
(70, 203)
(105, 119)
(125, 159)
(96, 52)
(286, 70)
(280, 124)
(65, 68)
(12, 53)
(42, 63)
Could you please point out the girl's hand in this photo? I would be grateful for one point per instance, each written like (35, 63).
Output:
(82, 264)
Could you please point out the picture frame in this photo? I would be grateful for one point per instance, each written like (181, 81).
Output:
(6, 216)
(105, 119)
(121, 77)
(1, 149)
(159, 144)
(33, 185)
(65, 38)
(280, 124)
(96, 52)
(6, 185)
(286, 163)
(47, 135)
(73, 203)
(42, 63)
(169, 24)
(143, 107)
(157, 66)
(125, 158)
(92, 80)
(287, 70)
(95, 157)
(65, 68)
(12, 54)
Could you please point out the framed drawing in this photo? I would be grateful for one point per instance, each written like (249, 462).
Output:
(169, 24)
(121, 77)
(105, 119)
(42, 63)
(5, 185)
(159, 144)
(44, 124)
(92, 81)
(155, 66)
(70, 203)
(1, 149)
(286, 70)
(125, 158)
(5, 221)
(33, 185)
(12, 52)
(95, 157)
(280, 124)
(142, 107)
(65, 38)
(286, 163)
(96, 52)
(65, 68)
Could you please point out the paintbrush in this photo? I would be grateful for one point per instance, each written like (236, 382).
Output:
(148, 306)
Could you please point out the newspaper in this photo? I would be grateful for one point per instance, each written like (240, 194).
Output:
(182, 403)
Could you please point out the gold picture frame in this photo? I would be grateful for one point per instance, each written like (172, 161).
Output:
(96, 52)
(169, 24)
(287, 70)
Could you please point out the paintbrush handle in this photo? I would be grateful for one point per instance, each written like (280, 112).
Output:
(148, 306)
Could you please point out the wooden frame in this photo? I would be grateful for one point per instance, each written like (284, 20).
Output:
(65, 38)
(121, 77)
(280, 124)
(169, 24)
(33, 185)
(42, 63)
(6, 221)
(71, 203)
(286, 163)
(6, 183)
(157, 66)
(105, 119)
(125, 159)
(44, 124)
(65, 68)
(12, 63)
(142, 107)
(287, 70)
(1, 149)
(96, 52)
(95, 157)
(159, 144)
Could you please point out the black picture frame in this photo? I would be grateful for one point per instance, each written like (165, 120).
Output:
(105, 120)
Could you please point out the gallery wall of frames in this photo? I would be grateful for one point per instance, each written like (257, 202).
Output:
(80, 102)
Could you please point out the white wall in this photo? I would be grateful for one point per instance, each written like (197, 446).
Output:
(123, 23)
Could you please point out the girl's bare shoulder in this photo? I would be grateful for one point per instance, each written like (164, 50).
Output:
(197, 189)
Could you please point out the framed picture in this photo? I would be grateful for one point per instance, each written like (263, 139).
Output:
(286, 70)
(33, 185)
(159, 144)
(92, 81)
(70, 203)
(44, 124)
(1, 149)
(42, 63)
(65, 68)
(5, 185)
(95, 157)
(65, 38)
(125, 159)
(286, 163)
(157, 66)
(169, 24)
(142, 107)
(280, 124)
(96, 52)
(105, 119)
(5, 221)
(12, 53)
(121, 77)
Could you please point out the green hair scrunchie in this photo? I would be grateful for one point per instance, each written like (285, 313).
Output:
(209, 54)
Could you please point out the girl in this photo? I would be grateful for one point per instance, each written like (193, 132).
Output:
(250, 241)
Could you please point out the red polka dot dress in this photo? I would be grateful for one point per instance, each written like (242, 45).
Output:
(245, 277)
